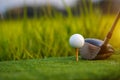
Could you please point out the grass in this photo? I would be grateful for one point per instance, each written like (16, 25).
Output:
(59, 68)
(48, 36)
(45, 37)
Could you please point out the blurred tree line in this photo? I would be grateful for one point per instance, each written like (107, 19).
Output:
(103, 6)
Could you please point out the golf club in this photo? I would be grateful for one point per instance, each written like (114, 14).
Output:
(98, 49)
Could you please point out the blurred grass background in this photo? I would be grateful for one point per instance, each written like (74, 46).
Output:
(48, 36)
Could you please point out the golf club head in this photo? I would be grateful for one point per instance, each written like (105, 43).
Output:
(89, 51)
(92, 50)
(105, 52)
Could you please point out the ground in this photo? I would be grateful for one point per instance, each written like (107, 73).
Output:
(61, 68)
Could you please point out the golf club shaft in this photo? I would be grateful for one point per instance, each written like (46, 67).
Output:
(109, 35)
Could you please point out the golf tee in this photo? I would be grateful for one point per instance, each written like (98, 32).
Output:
(76, 54)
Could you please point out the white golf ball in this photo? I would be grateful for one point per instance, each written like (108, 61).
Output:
(76, 41)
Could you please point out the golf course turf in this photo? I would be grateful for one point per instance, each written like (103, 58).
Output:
(61, 68)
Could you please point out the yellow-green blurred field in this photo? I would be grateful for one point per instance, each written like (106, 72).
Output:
(48, 37)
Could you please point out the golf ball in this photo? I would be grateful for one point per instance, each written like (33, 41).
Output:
(76, 41)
